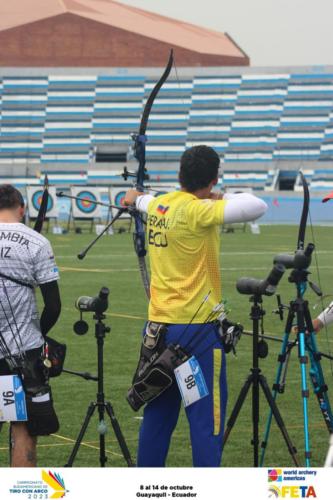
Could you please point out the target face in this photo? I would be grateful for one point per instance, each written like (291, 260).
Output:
(37, 200)
(87, 205)
(119, 198)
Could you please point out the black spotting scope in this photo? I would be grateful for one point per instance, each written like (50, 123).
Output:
(97, 304)
(253, 286)
(300, 260)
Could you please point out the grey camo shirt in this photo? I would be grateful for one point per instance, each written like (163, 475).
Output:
(26, 256)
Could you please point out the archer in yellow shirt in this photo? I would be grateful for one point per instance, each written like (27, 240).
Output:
(183, 241)
(183, 233)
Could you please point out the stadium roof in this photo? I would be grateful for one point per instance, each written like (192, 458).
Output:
(15, 13)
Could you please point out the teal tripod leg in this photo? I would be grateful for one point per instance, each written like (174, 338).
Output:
(317, 375)
(318, 382)
(303, 359)
(278, 387)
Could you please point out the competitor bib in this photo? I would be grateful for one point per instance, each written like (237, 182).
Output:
(191, 381)
(12, 399)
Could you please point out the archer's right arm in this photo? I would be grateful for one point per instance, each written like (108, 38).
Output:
(46, 276)
(237, 207)
(242, 207)
(52, 306)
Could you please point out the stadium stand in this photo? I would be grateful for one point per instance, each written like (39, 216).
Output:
(322, 179)
(258, 122)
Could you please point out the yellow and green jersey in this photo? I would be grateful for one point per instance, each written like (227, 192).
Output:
(183, 239)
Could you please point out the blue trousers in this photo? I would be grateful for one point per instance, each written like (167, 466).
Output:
(206, 416)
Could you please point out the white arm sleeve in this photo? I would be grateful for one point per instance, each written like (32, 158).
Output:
(242, 207)
(143, 201)
(326, 317)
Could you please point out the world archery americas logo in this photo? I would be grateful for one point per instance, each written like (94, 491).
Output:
(274, 475)
(284, 490)
(56, 482)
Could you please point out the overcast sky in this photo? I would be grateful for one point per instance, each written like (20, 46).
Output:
(271, 32)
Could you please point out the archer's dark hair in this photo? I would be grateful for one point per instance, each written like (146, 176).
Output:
(10, 197)
(198, 167)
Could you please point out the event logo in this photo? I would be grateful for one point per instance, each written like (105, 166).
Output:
(290, 491)
(56, 482)
(51, 485)
(274, 475)
(273, 492)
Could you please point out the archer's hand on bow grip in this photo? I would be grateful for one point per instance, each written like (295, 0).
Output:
(130, 197)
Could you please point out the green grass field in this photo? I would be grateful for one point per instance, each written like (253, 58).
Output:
(113, 263)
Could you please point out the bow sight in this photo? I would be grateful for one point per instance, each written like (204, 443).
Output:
(127, 173)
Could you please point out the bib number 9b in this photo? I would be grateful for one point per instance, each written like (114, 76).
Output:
(191, 381)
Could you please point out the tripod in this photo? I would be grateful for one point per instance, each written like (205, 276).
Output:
(257, 380)
(101, 405)
(307, 345)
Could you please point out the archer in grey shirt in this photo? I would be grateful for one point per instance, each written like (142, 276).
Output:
(27, 256)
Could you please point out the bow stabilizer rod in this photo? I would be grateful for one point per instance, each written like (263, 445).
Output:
(63, 195)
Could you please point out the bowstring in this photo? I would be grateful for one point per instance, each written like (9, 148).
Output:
(321, 298)
(12, 332)
(180, 90)
(14, 321)
(7, 355)
(179, 86)
(4, 347)
(12, 313)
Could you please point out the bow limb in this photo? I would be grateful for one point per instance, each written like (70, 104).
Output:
(153, 94)
(305, 213)
(140, 140)
(43, 207)
(301, 234)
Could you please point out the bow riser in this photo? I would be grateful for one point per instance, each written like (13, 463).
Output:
(43, 207)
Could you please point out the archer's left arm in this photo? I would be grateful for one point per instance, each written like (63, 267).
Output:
(140, 200)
